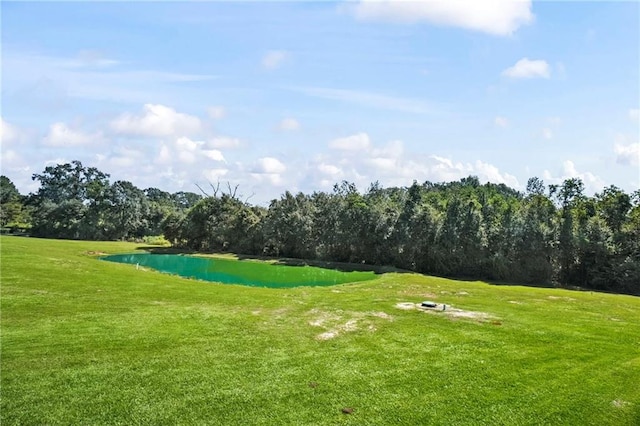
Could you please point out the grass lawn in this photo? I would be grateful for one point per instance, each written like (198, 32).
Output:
(92, 342)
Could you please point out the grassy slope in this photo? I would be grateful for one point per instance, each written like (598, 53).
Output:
(92, 342)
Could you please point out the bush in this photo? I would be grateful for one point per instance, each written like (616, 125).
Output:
(156, 240)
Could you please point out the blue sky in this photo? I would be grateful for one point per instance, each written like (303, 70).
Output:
(297, 96)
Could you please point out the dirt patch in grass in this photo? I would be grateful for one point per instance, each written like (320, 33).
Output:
(406, 306)
(382, 315)
(95, 253)
(328, 335)
(619, 403)
(566, 299)
(446, 310)
(461, 313)
(340, 322)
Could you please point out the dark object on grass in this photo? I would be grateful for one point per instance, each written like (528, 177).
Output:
(428, 304)
(347, 410)
(313, 385)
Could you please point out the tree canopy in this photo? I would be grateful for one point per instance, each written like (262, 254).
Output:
(547, 235)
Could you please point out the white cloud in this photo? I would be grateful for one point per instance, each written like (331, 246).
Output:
(269, 165)
(215, 174)
(216, 112)
(591, 182)
(61, 135)
(270, 170)
(329, 169)
(491, 173)
(187, 151)
(158, 121)
(186, 144)
(634, 114)
(13, 161)
(357, 142)
(547, 133)
(289, 124)
(443, 169)
(497, 17)
(627, 154)
(501, 121)
(393, 149)
(8, 132)
(224, 142)
(274, 59)
(382, 164)
(164, 156)
(392, 166)
(526, 68)
(126, 158)
(214, 155)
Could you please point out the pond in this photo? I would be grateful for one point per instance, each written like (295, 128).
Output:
(229, 271)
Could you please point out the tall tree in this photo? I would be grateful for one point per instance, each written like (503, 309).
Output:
(12, 210)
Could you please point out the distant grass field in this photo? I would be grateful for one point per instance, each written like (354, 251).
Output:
(92, 342)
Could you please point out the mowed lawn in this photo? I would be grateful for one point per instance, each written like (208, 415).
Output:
(91, 342)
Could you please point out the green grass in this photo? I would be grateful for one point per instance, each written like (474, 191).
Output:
(92, 342)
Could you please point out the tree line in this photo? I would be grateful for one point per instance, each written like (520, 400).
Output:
(551, 234)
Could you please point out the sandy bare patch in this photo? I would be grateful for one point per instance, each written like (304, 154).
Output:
(462, 293)
(327, 335)
(618, 403)
(95, 253)
(568, 299)
(337, 323)
(460, 313)
(351, 325)
(447, 310)
(322, 317)
(406, 306)
(278, 313)
(382, 315)
(515, 302)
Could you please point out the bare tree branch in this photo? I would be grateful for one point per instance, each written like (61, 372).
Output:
(216, 189)
(246, 200)
(232, 194)
(202, 190)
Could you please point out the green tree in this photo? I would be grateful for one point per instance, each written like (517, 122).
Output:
(288, 226)
(69, 202)
(128, 212)
(569, 195)
(12, 209)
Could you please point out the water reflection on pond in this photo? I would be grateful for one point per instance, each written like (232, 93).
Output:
(250, 273)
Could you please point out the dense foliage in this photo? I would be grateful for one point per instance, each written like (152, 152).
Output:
(459, 229)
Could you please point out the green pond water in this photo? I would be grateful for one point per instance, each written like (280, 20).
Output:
(228, 271)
